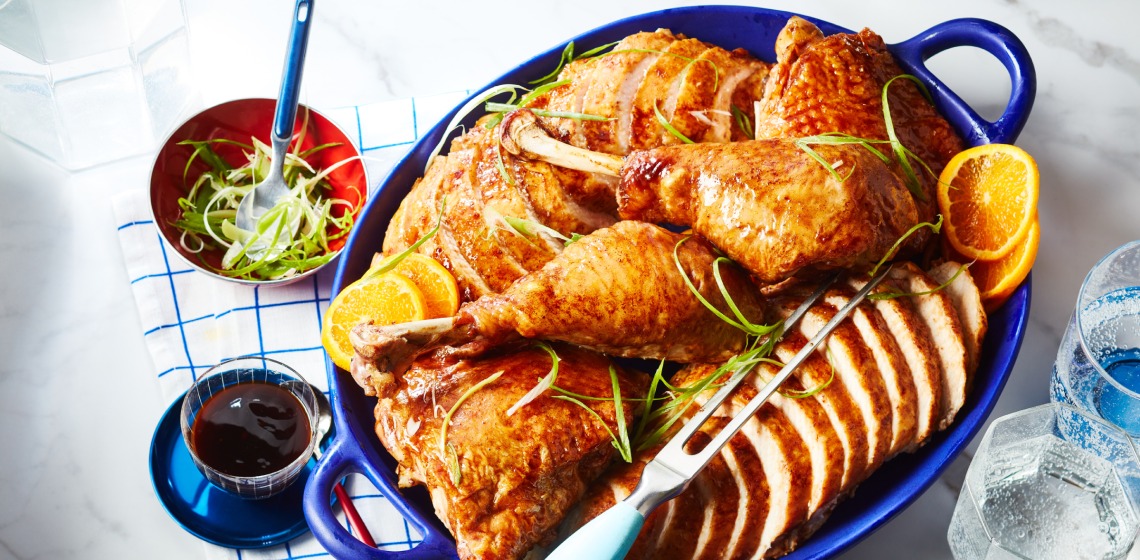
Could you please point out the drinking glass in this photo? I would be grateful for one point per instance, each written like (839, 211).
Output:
(1098, 363)
(1048, 482)
(251, 370)
(85, 82)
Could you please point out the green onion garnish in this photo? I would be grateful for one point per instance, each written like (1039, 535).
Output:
(935, 227)
(743, 122)
(469, 108)
(741, 322)
(901, 153)
(526, 229)
(668, 127)
(806, 393)
(621, 439)
(394, 260)
(940, 287)
(568, 57)
(543, 384)
(503, 108)
(445, 449)
(762, 340)
(289, 239)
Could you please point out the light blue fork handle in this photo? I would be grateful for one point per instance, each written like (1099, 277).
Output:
(607, 537)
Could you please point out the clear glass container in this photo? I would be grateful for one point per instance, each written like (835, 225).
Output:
(1098, 361)
(260, 424)
(1050, 482)
(86, 82)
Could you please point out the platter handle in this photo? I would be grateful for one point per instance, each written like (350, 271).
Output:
(341, 458)
(992, 38)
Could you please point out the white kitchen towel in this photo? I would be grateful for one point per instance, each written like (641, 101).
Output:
(192, 321)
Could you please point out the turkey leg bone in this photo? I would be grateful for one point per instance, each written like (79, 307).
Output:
(769, 204)
(618, 290)
(521, 135)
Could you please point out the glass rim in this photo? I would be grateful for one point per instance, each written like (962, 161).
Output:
(1081, 327)
(310, 413)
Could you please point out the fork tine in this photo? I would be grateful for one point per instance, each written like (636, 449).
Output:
(706, 411)
(672, 469)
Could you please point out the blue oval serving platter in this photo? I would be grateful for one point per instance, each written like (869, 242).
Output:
(883, 495)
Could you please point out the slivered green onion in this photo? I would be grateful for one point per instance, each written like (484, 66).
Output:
(669, 413)
(540, 90)
(940, 287)
(543, 384)
(522, 102)
(935, 227)
(527, 229)
(504, 108)
(596, 50)
(806, 393)
(391, 262)
(901, 153)
(621, 439)
(452, 460)
(743, 122)
(646, 411)
(668, 127)
(836, 138)
(289, 239)
(469, 108)
(507, 177)
(568, 57)
(622, 444)
(740, 322)
(443, 445)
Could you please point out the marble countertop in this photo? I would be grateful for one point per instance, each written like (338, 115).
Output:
(78, 401)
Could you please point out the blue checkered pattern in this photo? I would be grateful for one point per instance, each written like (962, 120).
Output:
(192, 322)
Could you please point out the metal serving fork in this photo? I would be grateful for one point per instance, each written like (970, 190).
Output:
(611, 534)
(265, 194)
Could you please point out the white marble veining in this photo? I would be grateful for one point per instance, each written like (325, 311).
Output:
(78, 401)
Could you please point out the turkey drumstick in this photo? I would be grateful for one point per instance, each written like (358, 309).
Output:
(618, 290)
(768, 204)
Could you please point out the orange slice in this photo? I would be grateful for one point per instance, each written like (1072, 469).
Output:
(384, 300)
(441, 294)
(988, 197)
(996, 280)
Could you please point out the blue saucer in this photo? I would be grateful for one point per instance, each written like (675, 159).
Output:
(210, 513)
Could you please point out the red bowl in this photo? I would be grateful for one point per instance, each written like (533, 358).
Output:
(241, 120)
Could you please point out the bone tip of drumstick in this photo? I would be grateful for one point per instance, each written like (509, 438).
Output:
(514, 125)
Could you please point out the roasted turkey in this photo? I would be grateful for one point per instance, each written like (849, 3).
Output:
(502, 482)
(778, 479)
(694, 85)
(515, 459)
(618, 290)
(835, 84)
(768, 204)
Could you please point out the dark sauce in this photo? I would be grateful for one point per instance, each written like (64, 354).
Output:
(250, 429)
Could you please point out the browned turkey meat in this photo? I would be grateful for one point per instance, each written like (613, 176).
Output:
(694, 85)
(618, 290)
(778, 479)
(502, 482)
(768, 204)
(505, 198)
(835, 84)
